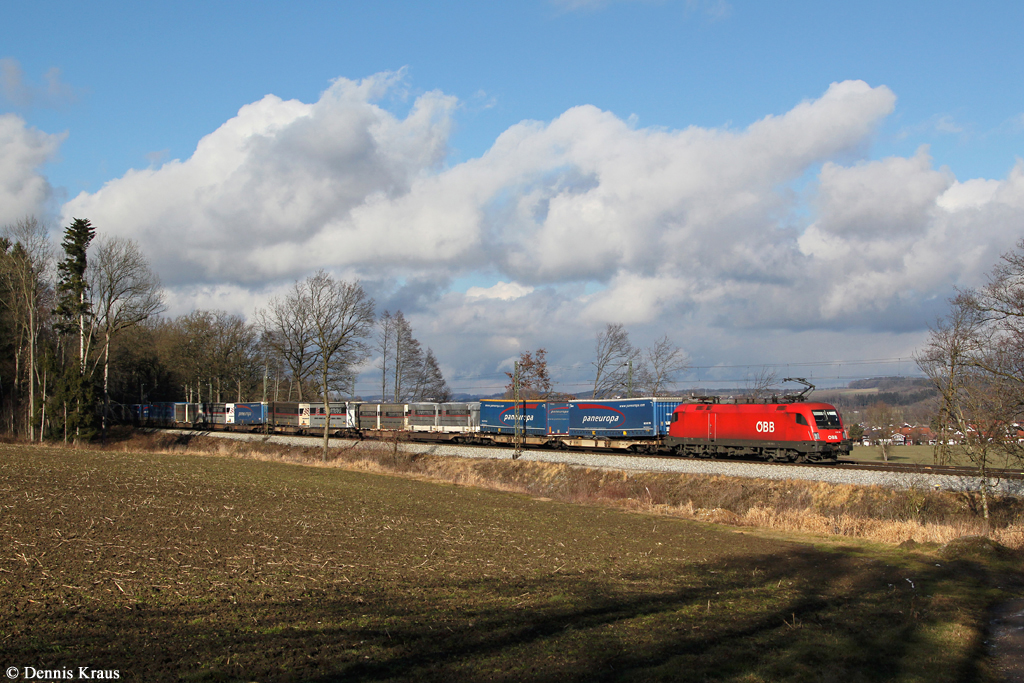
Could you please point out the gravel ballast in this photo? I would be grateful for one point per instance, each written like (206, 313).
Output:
(832, 474)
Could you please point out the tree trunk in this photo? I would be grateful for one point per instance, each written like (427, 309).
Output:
(81, 335)
(398, 367)
(327, 415)
(384, 372)
(42, 417)
(14, 398)
(106, 386)
(984, 496)
(31, 375)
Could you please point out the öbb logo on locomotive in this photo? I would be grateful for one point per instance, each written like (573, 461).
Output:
(764, 426)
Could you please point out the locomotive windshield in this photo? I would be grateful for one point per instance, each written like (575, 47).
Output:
(827, 419)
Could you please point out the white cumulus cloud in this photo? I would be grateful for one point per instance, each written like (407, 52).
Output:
(255, 198)
(722, 237)
(505, 291)
(24, 191)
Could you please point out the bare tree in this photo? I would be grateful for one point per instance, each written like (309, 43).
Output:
(760, 384)
(977, 405)
(664, 361)
(403, 354)
(217, 350)
(410, 374)
(408, 358)
(1001, 300)
(954, 343)
(125, 292)
(342, 317)
(384, 342)
(886, 421)
(26, 258)
(999, 307)
(288, 329)
(534, 380)
(615, 356)
(190, 350)
(236, 354)
(431, 385)
(975, 358)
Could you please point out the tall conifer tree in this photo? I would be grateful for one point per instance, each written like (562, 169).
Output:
(74, 392)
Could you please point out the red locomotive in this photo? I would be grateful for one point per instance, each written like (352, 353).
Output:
(786, 430)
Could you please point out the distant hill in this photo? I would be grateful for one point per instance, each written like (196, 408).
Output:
(914, 395)
(890, 383)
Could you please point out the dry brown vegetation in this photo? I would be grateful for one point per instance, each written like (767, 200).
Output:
(872, 513)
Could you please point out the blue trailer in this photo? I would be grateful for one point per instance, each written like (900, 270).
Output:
(499, 417)
(246, 413)
(558, 417)
(636, 418)
(663, 409)
(161, 413)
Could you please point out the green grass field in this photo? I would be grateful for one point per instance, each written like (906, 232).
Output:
(182, 567)
(906, 454)
(924, 455)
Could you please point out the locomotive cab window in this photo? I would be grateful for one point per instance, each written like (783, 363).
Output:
(827, 419)
(801, 420)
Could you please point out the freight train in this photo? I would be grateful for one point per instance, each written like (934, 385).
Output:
(780, 430)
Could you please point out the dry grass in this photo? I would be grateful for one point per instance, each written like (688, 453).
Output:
(871, 513)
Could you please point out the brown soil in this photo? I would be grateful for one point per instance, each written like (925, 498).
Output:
(171, 567)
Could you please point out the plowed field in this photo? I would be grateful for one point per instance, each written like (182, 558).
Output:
(171, 567)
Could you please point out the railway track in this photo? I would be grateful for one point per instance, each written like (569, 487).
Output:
(943, 470)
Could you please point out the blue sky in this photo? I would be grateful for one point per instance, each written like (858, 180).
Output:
(149, 77)
(138, 85)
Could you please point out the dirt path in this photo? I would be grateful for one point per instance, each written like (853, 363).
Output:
(1007, 641)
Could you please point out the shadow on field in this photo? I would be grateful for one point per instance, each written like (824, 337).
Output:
(728, 628)
(805, 615)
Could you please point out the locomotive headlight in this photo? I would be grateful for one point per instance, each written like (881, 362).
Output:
(816, 437)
